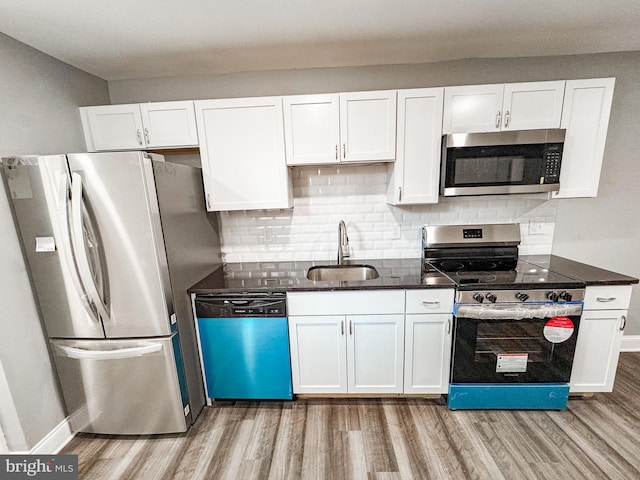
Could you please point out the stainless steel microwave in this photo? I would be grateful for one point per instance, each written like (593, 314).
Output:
(524, 161)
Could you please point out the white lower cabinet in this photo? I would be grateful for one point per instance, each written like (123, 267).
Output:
(318, 354)
(427, 353)
(352, 342)
(427, 346)
(599, 338)
(375, 346)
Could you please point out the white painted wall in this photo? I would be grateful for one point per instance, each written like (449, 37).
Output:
(602, 231)
(38, 115)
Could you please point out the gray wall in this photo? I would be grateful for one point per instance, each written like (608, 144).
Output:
(38, 115)
(602, 231)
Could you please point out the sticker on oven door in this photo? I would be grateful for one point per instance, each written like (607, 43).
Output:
(558, 329)
(512, 362)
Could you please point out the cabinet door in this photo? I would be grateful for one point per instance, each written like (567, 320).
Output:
(474, 108)
(375, 353)
(169, 124)
(113, 127)
(318, 354)
(312, 129)
(242, 153)
(585, 116)
(415, 175)
(427, 353)
(534, 105)
(368, 126)
(597, 350)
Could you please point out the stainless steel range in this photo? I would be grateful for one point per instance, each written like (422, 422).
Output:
(515, 323)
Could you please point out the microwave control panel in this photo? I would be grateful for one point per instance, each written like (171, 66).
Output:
(551, 163)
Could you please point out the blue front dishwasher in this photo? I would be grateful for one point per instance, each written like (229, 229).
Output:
(244, 340)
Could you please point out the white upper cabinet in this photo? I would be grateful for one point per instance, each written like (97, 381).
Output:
(312, 129)
(585, 116)
(415, 175)
(345, 127)
(169, 124)
(368, 126)
(493, 108)
(139, 126)
(242, 154)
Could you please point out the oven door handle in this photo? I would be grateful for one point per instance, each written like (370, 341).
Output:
(518, 311)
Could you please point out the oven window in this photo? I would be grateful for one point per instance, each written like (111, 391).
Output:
(508, 351)
(523, 338)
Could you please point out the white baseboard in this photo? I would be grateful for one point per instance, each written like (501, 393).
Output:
(630, 343)
(55, 440)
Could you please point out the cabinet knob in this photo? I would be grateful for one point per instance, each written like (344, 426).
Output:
(506, 118)
(139, 134)
(399, 194)
(146, 135)
(344, 150)
(624, 323)
(498, 118)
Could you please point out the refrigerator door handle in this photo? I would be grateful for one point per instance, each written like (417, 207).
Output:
(68, 253)
(82, 354)
(82, 258)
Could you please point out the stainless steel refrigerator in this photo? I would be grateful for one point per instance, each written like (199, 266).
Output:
(112, 242)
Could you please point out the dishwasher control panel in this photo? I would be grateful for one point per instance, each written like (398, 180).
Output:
(241, 305)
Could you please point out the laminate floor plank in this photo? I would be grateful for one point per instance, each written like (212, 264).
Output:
(384, 439)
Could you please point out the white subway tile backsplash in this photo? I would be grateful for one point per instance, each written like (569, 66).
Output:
(357, 194)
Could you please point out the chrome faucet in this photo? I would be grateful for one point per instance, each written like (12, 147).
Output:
(343, 242)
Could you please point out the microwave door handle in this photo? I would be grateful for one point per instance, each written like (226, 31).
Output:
(80, 249)
(67, 249)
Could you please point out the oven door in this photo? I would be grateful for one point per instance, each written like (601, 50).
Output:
(514, 343)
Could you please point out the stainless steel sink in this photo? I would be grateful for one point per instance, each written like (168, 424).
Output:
(342, 273)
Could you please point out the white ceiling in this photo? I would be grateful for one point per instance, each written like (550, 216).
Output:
(127, 39)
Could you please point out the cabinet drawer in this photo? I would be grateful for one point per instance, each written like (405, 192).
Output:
(430, 300)
(346, 303)
(607, 298)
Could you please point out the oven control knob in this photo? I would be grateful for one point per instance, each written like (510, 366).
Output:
(478, 297)
(523, 297)
(491, 297)
(553, 296)
(566, 296)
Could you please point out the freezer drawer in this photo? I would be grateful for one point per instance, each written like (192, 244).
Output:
(123, 386)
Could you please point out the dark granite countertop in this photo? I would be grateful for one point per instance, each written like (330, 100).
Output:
(592, 276)
(394, 273)
(403, 273)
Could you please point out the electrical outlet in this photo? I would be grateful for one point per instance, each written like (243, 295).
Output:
(395, 231)
(536, 226)
(267, 235)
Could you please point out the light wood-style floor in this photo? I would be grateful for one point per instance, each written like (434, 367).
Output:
(595, 438)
